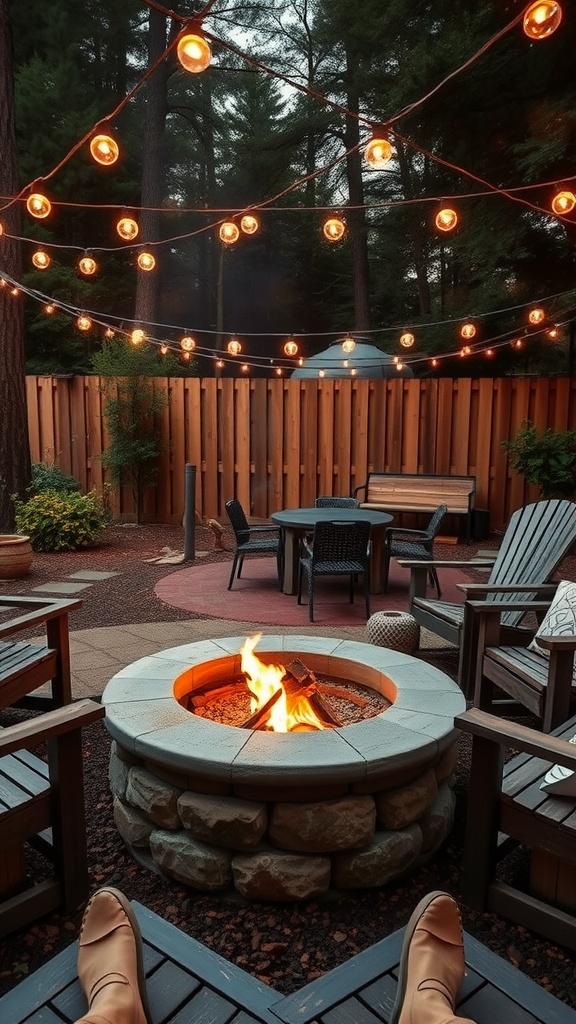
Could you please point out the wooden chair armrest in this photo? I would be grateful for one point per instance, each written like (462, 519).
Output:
(49, 726)
(511, 588)
(362, 487)
(451, 563)
(519, 737)
(487, 608)
(38, 610)
(557, 643)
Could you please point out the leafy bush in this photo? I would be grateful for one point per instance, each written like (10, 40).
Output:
(49, 477)
(60, 522)
(547, 459)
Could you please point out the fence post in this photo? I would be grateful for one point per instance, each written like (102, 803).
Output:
(190, 513)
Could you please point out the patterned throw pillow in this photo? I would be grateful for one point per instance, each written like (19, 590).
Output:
(559, 780)
(560, 619)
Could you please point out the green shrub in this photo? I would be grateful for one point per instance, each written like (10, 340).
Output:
(60, 522)
(48, 477)
(547, 459)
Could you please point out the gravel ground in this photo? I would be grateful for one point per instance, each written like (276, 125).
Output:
(285, 946)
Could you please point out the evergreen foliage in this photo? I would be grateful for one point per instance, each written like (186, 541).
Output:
(547, 459)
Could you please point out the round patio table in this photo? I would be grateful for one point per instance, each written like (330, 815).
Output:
(296, 522)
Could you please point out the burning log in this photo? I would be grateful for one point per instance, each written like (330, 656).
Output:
(260, 717)
(308, 686)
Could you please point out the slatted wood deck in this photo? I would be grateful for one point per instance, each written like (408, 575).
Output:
(190, 984)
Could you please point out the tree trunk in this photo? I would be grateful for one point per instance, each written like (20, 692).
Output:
(153, 170)
(14, 443)
(357, 217)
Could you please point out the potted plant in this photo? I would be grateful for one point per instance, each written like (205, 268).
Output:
(547, 459)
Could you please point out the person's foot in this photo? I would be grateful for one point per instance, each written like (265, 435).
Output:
(110, 963)
(431, 965)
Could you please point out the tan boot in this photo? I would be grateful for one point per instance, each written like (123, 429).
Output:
(431, 965)
(110, 964)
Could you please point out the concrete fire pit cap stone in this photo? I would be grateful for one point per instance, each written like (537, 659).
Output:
(145, 718)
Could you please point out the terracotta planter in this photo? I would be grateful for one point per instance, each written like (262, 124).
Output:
(15, 555)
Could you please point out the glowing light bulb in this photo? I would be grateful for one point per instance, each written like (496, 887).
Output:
(278, 371)
(229, 232)
(137, 336)
(334, 229)
(41, 260)
(146, 261)
(446, 219)
(320, 373)
(553, 333)
(194, 53)
(290, 348)
(1, 228)
(399, 365)
(104, 149)
(14, 292)
(185, 356)
(87, 266)
(348, 345)
(434, 363)
(541, 19)
(353, 371)
(38, 205)
(187, 344)
(127, 228)
(489, 352)
(517, 343)
(49, 308)
(300, 361)
(108, 333)
(164, 349)
(249, 224)
(536, 315)
(378, 153)
(407, 339)
(220, 364)
(234, 347)
(244, 367)
(468, 331)
(84, 323)
(563, 202)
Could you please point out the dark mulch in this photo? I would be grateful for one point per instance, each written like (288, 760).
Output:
(284, 945)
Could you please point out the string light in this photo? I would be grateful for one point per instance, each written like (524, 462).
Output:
(127, 228)
(104, 149)
(291, 348)
(407, 339)
(536, 315)
(244, 367)
(434, 363)
(229, 232)
(185, 356)
(517, 343)
(468, 331)
(378, 152)
(321, 373)
(187, 344)
(38, 205)
(541, 19)
(137, 336)
(220, 364)
(87, 266)
(348, 345)
(334, 229)
(146, 261)
(14, 292)
(1, 228)
(279, 371)
(194, 53)
(553, 333)
(164, 349)
(41, 260)
(49, 308)
(563, 202)
(249, 224)
(234, 347)
(84, 323)
(489, 352)
(353, 371)
(108, 333)
(399, 365)
(446, 219)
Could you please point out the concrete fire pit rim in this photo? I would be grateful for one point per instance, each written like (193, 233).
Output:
(143, 717)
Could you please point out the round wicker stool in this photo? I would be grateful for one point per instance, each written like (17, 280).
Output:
(397, 630)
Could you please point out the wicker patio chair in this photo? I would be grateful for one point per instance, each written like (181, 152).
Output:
(417, 544)
(252, 540)
(337, 549)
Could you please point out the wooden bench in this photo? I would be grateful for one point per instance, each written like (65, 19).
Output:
(420, 492)
(505, 807)
(42, 803)
(188, 982)
(25, 666)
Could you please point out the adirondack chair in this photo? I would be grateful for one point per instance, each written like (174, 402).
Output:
(536, 540)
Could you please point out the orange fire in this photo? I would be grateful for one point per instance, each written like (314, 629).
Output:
(288, 713)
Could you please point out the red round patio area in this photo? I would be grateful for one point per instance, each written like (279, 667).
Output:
(255, 597)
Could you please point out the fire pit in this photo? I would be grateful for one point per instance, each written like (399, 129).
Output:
(282, 815)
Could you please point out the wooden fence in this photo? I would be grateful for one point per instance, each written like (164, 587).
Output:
(280, 443)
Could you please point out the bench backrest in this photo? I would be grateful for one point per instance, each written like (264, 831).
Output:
(421, 490)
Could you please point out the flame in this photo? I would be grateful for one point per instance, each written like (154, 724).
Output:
(288, 714)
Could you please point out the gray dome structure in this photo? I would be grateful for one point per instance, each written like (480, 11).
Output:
(369, 361)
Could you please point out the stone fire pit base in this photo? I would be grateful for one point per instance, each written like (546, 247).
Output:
(346, 809)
